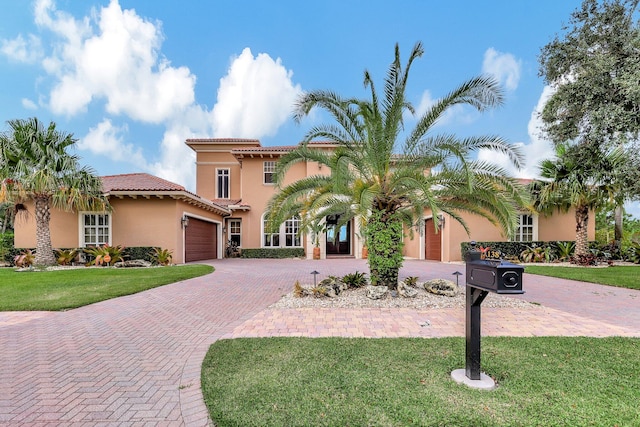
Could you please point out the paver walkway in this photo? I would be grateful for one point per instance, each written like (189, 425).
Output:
(136, 360)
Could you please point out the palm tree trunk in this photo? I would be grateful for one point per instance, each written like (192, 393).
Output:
(44, 250)
(617, 228)
(582, 222)
(384, 239)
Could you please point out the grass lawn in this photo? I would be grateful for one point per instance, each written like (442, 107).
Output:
(620, 276)
(65, 289)
(550, 381)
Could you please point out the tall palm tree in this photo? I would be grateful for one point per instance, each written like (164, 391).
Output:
(581, 177)
(35, 166)
(387, 178)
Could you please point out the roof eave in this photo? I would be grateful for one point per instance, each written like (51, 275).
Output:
(176, 195)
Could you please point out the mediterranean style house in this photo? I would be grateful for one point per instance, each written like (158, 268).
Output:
(239, 174)
(234, 181)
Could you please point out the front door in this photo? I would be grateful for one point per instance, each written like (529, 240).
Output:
(432, 241)
(338, 236)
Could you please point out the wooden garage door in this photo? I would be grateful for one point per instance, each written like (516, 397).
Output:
(432, 242)
(201, 240)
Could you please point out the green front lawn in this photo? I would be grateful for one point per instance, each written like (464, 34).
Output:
(547, 381)
(620, 276)
(65, 289)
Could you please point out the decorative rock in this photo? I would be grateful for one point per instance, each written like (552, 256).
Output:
(133, 263)
(333, 285)
(330, 292)
(405, 290)
(441, 287)
(376, 292)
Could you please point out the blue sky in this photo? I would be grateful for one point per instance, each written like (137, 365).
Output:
(133, 79)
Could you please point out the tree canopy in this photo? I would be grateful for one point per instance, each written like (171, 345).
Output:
(387, 177)
(580, 177)
(35, 165)
(593, 70)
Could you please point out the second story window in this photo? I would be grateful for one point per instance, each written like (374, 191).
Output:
(222, 183)
(269, 172)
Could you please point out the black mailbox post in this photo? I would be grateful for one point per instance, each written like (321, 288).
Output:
(486, 272)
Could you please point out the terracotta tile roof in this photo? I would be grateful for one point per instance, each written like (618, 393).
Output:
(231, 202)
(223, 140)
(225, 202)
(138, 182)
(135, 184)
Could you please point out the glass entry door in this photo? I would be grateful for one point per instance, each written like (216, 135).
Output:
(338, 236)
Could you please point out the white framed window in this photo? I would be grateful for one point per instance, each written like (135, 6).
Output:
(269, 171)
(269, 240)
(527, 228)
(287, 236)
(292, 232)
(95, 229)
(234, 227)
(222, 183)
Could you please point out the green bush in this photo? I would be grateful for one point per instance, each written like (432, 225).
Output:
(66, 256)
(355, 280)
(511, 250)
(6, 247)
(535, 253)
(105, 254)
(632, 253)
(162, 256)
(273, 253)
(139, 252)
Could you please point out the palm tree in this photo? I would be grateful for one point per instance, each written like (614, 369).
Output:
(35, 166)
(386, 182)
(580, 177)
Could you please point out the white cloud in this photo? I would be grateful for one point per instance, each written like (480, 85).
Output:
(504, 66)
(29, 104)
(255, 97)
(22, 50)
(111, 63)
(108, 140)
(115, 58)
(535, 151)
(177, 163)
(456, 114)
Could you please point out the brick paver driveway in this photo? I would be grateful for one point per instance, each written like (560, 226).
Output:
(136, 360)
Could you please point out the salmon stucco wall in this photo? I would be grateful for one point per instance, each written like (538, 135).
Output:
(134, 222)
(562, 226)
(257, 194)
(63, 228)
(559, 226)
(146, 222)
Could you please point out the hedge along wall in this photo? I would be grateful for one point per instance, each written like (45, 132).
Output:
(510, 250)
(273, 253)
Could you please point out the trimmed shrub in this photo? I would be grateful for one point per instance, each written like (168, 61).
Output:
(273, 253)
(510, 250)
(139, 252)
(355, 280)
(12, 253)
